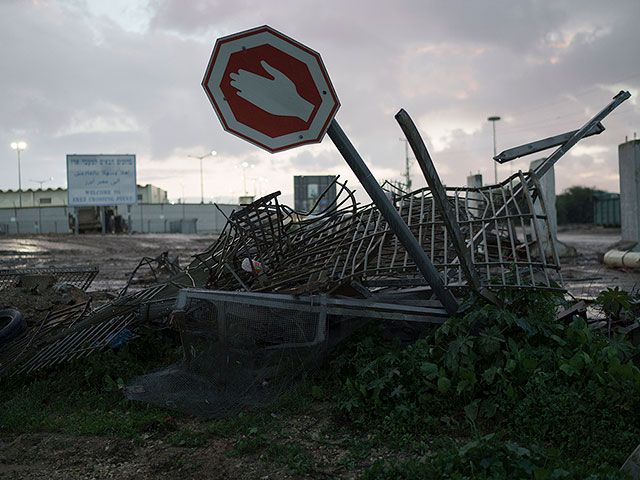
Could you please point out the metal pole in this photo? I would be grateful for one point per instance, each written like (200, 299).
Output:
(129, 226)
(393, 218)
(103, 219)
(201, 157)
(407, 173)
(19, 178)
(579, 134)
(440, 197)
(495, 164)
(76, 226)
(201, 183)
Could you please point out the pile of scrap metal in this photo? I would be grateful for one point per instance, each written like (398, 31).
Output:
(272, 263)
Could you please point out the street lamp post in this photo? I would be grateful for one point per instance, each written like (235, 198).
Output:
(212, 153)
(493, 120)
(19, 146)
(244, 166)
(407, 173)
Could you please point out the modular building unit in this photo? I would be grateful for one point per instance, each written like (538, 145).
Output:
(308, 188)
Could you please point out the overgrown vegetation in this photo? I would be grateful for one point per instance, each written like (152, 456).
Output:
(492, 393)
(85, 397)
(519, 394)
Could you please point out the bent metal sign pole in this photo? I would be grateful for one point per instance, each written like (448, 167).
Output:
(275, 93)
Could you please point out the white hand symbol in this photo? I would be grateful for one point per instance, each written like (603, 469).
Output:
(277, 96)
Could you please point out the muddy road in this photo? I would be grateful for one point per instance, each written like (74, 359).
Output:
(585, 275)
(115, 255)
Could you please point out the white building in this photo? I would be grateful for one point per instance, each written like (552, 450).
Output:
(57, 197)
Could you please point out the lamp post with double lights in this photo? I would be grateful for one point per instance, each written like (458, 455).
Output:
(212, 153)
(18, 147)
(493, 120)
(42, 182)
(244, 166)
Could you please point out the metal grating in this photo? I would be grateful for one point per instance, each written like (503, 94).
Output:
(505, 235)
(63, 336)
(79, 277)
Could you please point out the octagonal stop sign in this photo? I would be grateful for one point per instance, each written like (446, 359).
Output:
(270, 89)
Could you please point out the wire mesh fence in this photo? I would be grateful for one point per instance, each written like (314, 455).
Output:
(238, 353)
(79, 277)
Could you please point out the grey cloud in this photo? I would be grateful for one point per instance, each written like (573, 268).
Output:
(450, 66)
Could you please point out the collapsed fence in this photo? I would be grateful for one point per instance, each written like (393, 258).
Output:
(79, 277)
(281, 285)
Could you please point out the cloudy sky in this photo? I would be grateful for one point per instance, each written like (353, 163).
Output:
(123, 76)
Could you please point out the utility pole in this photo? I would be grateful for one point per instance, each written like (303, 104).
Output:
(19, 146)
(493, 120)
(407, 173)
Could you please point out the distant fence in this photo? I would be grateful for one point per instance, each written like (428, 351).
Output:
(145, 218)
(35, 220)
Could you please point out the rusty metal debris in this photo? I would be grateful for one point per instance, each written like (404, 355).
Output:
(269, 248)
(481, 239)
(25, 354)
(79, 277)
(162, 264)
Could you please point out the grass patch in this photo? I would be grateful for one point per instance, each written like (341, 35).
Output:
(85, 398)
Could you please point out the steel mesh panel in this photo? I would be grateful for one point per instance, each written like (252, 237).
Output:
(505, 234)
(250, 323)
(80, 277)
(57, 339)
(236, 356)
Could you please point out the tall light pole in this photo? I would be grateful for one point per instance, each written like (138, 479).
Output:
(212, 153)
(244, 166)
(18, 147)
(407, 173)
(493, 120)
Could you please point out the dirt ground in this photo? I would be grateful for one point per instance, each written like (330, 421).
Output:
(64, 457)
(585, 275)
(56, 456)
(116, 255)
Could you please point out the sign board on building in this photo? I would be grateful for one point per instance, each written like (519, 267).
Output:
(95, 180)
(270, 89)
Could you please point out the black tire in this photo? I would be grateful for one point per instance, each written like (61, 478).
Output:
(12, 324)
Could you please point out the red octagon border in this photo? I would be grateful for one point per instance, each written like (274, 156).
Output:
(219, 112)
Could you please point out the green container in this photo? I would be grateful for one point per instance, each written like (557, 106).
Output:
(606, 209)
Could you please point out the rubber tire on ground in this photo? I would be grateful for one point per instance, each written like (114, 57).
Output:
(15, 324)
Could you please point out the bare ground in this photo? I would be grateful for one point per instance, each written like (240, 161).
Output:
(585, 275)
(57, 456)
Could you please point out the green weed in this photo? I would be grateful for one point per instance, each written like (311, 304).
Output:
(511, 369)
(85, 397)
(488, 457)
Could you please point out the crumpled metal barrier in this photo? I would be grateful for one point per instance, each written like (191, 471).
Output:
(79, 277)
(264, 250)
(490, 235)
